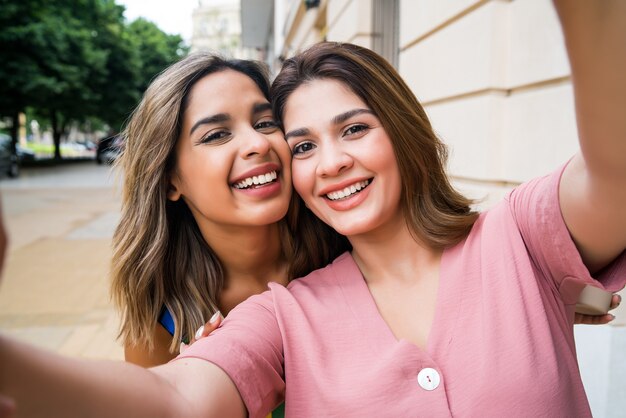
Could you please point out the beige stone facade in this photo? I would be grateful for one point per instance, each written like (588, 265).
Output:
(217, 28)
(492, 75)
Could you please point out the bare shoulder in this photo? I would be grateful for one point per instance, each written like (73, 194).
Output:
(160, 353)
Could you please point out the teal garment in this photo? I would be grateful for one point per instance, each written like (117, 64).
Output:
(279, 412)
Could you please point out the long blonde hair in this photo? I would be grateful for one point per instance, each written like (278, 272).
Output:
(159, 255)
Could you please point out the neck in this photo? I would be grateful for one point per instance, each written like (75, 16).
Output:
(392, 254)
(250, 254)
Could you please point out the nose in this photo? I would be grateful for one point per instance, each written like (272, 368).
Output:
(255, 144)
(333, 160)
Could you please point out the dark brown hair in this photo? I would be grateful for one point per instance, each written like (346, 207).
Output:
(436, 213)
(160, 257)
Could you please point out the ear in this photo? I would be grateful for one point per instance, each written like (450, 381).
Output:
(173, 189)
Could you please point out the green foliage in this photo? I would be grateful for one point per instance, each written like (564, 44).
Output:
(156, 49)
(73, 61)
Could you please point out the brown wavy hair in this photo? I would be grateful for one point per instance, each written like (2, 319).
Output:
(436, 213)
(159, 255)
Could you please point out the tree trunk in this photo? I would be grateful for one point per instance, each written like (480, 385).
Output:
(56, 134)
(15, 128)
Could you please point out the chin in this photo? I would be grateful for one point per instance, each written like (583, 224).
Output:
(352, 230)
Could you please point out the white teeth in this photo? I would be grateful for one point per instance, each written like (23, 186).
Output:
(256, 180)
(348, 191)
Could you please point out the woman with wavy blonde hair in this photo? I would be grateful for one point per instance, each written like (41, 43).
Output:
(206, 186)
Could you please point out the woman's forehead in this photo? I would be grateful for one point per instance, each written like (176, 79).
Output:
(320, 99)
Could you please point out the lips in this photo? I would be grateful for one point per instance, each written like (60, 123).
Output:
(254, 181)
(345, 189)
(257, 177)
(348, 190)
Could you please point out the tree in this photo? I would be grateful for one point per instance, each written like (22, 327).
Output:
(53, 59)
(119, 92)
(77, 60)
(157, 49)
(19, 73)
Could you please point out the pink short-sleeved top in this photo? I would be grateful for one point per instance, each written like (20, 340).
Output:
(501, 343)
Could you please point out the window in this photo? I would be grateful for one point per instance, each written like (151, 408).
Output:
(385, 25)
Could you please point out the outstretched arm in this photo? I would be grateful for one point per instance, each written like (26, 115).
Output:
(593, 187)
(44, 384)
(36, 383)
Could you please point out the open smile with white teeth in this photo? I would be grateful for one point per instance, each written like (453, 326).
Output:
(256, 181)
(348, 191)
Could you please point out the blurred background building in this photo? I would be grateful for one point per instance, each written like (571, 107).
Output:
(217, 27)
(494, 78)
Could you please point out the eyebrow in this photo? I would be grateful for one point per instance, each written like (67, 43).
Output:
(223, 117)
(261, 107)
(220, 117)
(340, 118)
(297, 132)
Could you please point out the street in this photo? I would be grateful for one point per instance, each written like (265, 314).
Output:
(55, 287)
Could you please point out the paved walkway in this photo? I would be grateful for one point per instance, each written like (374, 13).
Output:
(54, 291)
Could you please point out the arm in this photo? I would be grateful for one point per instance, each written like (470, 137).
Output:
(593, 187)
(45, 384)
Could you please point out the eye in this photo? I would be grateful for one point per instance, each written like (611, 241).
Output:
(267, 125)
(214, 136)
(355, 130)
(302, 148)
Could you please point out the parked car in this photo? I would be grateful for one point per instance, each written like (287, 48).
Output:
(9, 161)
(24, 154)
(109, 149)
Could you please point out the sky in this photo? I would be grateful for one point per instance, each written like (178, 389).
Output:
(171, 16)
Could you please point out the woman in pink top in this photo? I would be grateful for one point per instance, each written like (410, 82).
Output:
(435, 311)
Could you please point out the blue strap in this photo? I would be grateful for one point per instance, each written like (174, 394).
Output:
(167, 321)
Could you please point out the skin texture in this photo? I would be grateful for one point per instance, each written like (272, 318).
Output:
(211, 157)
(211, 154)
(332, 152)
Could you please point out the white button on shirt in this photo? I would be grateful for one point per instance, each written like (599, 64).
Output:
(428, 378)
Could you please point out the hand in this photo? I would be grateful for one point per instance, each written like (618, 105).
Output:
(213, 324)
(599, 319)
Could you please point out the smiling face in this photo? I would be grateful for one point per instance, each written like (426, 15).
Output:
(343, 165)
(232, 163)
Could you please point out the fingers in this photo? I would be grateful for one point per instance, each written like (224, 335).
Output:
(213, 324)
(615, 301)
(593, 319)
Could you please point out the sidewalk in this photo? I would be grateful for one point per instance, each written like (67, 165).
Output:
(55, 287)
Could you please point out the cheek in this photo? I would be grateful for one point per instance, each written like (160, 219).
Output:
(303, 180)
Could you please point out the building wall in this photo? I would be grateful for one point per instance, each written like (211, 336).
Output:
(494, 78)
(217, 28)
